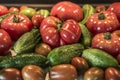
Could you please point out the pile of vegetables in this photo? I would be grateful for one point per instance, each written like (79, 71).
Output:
(68, 42)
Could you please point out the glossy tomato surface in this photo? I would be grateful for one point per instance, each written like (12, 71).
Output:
(56, 33)
(16, 25)
(107, 42)
(115, 7)
(102, 22)
(13, 9)
(3, 10)
(5, 42)
(67, 10)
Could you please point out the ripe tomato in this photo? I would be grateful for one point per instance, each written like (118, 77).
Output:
(115, 7)
(100, 8)
(5, 42)
(67, 10)
(13, 9)
(3, 10)
(16, 25)
(102, 22)
(56, 34)
(23, 7)
(107, 42)
(37, 19)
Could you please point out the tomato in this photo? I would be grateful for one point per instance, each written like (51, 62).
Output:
(80, 64)
(10, 74)
(118, 58)
(16, 25)
(115, 7)
(117, 32)
(107, 42)
(29, 12)
(94, 73)
(100, 8)
(37, 19)
(5, 42)
(112, 74)
(102, 22)
(56, 34)
(63, 72)
(33, 72)
(3, 10)
(43, 49)
(67, 10)
(13, 9)
(23, 7)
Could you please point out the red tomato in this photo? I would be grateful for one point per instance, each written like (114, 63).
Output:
(13, 9)
(107, 42)
(5, 42)
(102, 22)
(112, 74)
(23, 7)
(100, 8)
(16, 25)
(115, 7)
(3, 10)
(37, 19)
(56, 34)
(67, 10)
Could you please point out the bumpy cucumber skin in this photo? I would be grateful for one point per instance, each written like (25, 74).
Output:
(99, 58)
(64, 54)
(86, 37)
(20, 61)
(27, 42)
(88, 10)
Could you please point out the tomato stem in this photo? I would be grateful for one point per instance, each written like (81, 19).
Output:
(107, 35)
(59, 26)
(16, 19)
(101, 16)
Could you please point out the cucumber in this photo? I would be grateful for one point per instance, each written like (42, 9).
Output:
(20, 61)
(27, 42)
(64, 54)
(88, 10)
(99, 58)
(86, 37)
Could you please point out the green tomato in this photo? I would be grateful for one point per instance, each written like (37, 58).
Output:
(29, 12)
(43, 12)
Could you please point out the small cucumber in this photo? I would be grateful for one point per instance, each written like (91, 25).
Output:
(27, 42)
(99, 58)
(64, 54)
(20, 61)
(86, 37)
(88, 10)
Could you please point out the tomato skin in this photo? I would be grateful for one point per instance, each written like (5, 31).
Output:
(5, 42)
(10, 74)
(16, 29)
(112, 74)
(55, 36)
(3, 10)
(109, 24)
(112, 46)
(23, 7)
(115, 7)
(13, 9)
(37, 19)
(100, 8)
(67, 10)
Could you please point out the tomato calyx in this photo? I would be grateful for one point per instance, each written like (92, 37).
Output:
(16, 19)
(107, 35)
(101, 16)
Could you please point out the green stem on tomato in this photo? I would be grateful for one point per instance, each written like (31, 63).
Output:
(101, 16)
(107, 35)
(16, 19)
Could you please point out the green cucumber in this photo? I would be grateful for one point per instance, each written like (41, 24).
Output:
(20, 61)
(86, 37)
(88, 10)
(27, 42)
(64, 54)
(99, 58)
